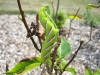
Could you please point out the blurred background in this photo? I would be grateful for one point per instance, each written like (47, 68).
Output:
(33, 6)
(13, 42)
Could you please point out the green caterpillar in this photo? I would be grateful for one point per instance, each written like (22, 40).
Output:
(51, 33)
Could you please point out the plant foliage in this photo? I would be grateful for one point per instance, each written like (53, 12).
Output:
(64, 48)
(61, 19)
(88, 71)
(89, 16)
(24, 66)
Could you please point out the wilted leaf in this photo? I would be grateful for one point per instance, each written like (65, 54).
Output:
(41, 29)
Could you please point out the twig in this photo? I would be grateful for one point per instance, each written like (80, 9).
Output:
(57, 10)
(53, 8)
(39, 41)
(81, 42)
(99, 1)
(26, 26)
(94, 6)
(91, 31)
(71, 22)
(7, 67)
(37, 21)
(22, 14)
(54, 55)
(90, 35)
(98, 7)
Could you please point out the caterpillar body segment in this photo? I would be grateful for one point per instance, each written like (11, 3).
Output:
(44, 13)
(47, 45)
(51, 33)
(49, 42)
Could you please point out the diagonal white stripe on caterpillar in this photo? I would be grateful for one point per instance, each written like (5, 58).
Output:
(46, 26)
(46, 60)
(47, 54)
(50, 31)
(50, 46)
(53, 37)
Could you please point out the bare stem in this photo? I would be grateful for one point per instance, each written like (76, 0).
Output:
(38, 36)
(39, 41)
(90, 34)
(91, 31)
(81, 42)
(57, 10)
(71, 22)
(53, 8)
(26, 26)
(7, 67)
(54, 55)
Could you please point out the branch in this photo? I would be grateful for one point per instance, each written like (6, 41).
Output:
(90, 35)
(81, 42)
(57, 10)
(38, 36)
(54, 54)
(7, 69)
(71, 22)
(53, 8)
(94, 6)
(91, 31)
(26, 26)
(98, 7)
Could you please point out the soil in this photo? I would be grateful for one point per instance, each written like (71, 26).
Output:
(14, 45)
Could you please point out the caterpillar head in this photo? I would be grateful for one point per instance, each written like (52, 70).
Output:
(46, 9)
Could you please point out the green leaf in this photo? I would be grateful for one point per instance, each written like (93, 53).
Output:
(72, 70)
(62, 65)
(91, 6)
(88, 71)
(60, 19)
(30, 67)
(97, 72)
(77, 17)
(24, 66)
(64, 48)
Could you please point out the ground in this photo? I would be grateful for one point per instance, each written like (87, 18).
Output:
(14, 45)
